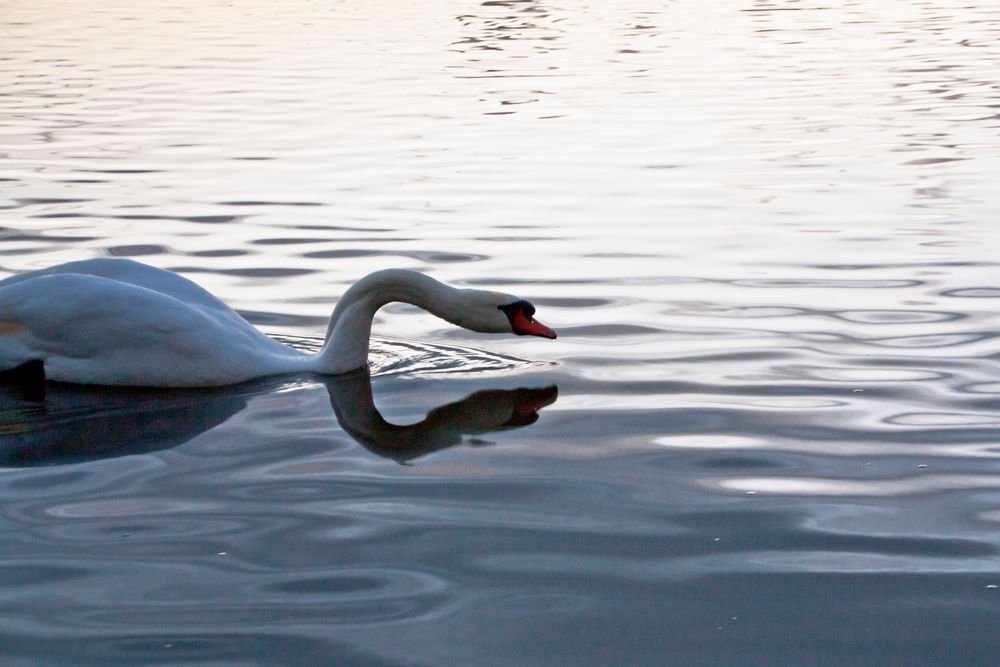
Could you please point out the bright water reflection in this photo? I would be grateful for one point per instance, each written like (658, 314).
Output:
(765, 234)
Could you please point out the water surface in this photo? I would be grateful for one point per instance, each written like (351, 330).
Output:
(765, 232)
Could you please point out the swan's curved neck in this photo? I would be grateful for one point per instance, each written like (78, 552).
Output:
(346, 346)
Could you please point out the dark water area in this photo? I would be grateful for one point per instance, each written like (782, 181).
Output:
(769, 430)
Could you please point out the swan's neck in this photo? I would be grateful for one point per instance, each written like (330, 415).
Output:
(346, 346)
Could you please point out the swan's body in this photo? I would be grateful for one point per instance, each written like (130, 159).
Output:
(119, 322)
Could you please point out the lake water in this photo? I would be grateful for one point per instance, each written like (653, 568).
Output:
(769, 432)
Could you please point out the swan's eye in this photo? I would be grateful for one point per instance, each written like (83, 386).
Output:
(523, 308)
(522, 320)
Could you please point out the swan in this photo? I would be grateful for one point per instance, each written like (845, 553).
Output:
(114, 321)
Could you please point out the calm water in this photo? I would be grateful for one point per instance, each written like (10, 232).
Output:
(769, 432)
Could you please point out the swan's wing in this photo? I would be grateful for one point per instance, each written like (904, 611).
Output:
(93, 329)
(134, 273)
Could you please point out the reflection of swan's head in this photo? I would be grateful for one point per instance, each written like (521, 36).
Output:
(492, 410)
(529, 402)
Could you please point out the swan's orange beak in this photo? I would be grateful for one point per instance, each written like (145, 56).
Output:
(524, 325)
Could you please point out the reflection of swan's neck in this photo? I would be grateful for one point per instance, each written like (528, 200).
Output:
(481, 412)
(346, 346)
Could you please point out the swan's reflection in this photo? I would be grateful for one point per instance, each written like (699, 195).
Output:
(44, 423)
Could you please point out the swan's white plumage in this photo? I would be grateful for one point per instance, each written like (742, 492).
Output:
(119, 322)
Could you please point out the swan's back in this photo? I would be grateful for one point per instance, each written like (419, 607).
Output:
(132, 273)
(118, 322)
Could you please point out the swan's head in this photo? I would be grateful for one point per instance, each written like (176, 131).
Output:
(495, 312)
(521, 317)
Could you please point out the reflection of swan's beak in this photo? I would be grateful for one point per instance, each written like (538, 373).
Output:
(529, 402)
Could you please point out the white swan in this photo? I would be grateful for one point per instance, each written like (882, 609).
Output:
(119, 322)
